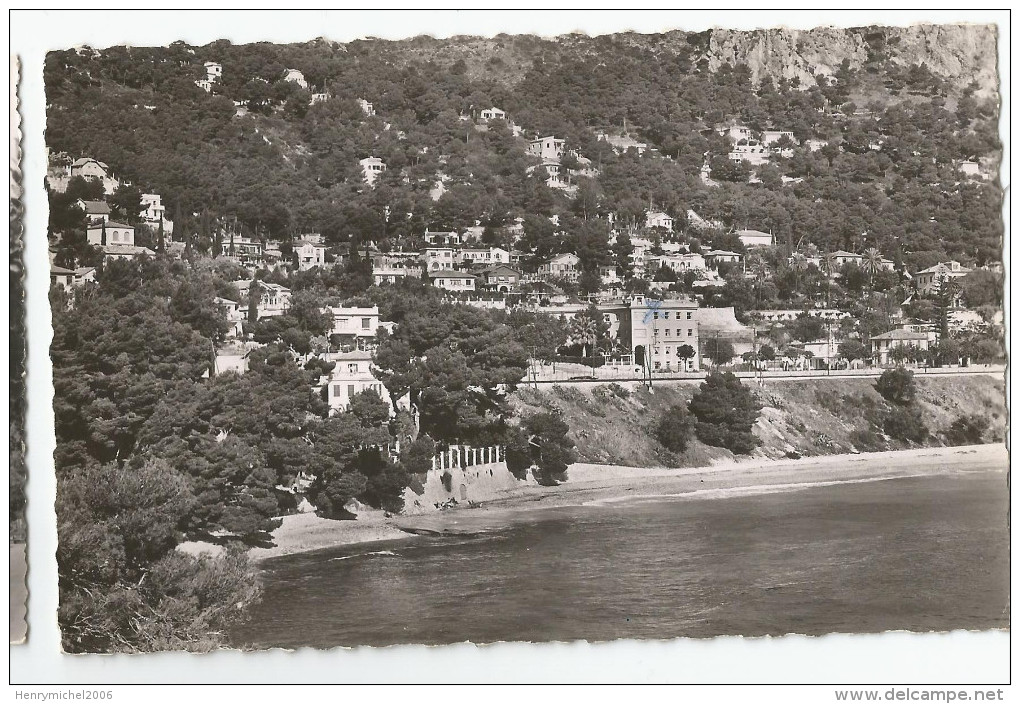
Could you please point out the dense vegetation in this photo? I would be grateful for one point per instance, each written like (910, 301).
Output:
(282, 166)
(151, 450)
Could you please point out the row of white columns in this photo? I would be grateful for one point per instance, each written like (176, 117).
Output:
(461, 456)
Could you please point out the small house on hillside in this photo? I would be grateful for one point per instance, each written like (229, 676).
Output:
(352, 375)
(95, 210)
(561, 265)
(658, 219)
(547, 148)
(755, 238)
(502, 278)
(102, 233)
(371, 167)
(292, 75)
(452, 280)
(492, 114)
(309, 254)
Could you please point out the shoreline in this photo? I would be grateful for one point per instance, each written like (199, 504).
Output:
(592, 483)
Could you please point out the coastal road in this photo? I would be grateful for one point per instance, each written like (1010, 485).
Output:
(994, 371)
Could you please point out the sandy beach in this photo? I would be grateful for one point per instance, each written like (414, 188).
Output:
(588, 483)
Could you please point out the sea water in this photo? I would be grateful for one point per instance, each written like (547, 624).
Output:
(917, 554)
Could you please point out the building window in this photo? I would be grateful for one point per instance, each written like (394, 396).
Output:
(688, 315)
(365, 323)
(337, 389)
(352, 368)
(656, 315)
(665, 316)
(690, 332)
(350, 391)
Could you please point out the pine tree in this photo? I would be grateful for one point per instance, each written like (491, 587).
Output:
(160, 237)
(254, 296)
(103, 235)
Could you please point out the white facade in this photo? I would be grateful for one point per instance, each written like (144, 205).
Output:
(928, 279)
(562, 265)
(351, 376)
(492, 114)
(392, 275)
(737, 132)
(452, 280)
(489, 255)
(274, 299)
(362, 324)
(441, 258)
(94, 170)
(753, 152)
(309, 254)
(443, 238)
(659, 328)
(294, 76)
(547, 148)
(372, 166)
(755, 238)
(656, 219)
(678, 262)
(95, 210)
(366, 107)
(770, 137)
(244, 250)
(116, 234)
(153, 212)
(213, 71)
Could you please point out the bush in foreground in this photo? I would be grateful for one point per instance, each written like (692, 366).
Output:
(967, 430)
(906, 424)
(726, 411)
(674, 429)
(897, 386)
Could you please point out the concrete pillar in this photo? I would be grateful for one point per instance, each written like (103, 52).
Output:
(433, 463)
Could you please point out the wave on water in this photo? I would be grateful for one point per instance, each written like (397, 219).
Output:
(736, 491)
(382, 553)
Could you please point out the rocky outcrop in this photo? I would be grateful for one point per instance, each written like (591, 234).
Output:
(965, 52)
(787, 53)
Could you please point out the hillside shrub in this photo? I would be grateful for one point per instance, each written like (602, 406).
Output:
(726, 411)
(552, 451)
(897, 386)
(674, 428)
(967, 429)
(906, 424)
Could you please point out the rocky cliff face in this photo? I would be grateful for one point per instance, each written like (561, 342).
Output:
(965, 52)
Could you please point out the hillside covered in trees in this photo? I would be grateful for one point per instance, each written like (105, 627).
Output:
(897, 110)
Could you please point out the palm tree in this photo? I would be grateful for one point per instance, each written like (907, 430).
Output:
(760, 271)
(583, 329)
(828, 266)
(799, 264)
(872, 264)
